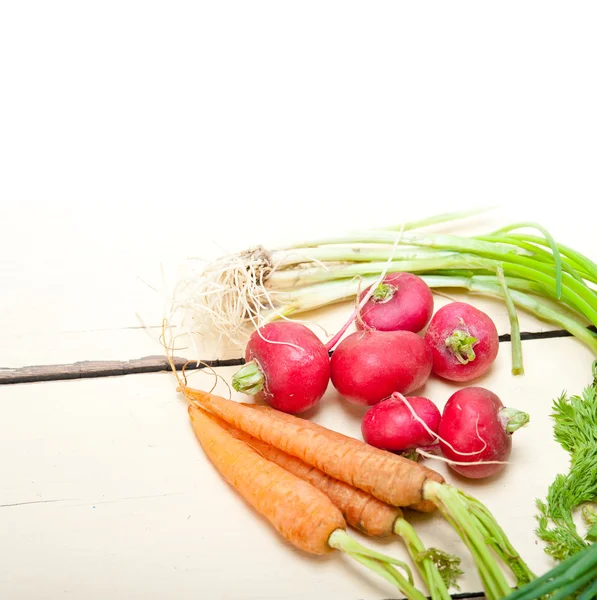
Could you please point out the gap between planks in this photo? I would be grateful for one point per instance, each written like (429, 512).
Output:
(154, 364)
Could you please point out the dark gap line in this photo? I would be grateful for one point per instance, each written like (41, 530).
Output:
(157, 364)
(93, 369)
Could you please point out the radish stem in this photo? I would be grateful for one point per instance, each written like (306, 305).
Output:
(461, 344)
(513, 419)
(248, 379)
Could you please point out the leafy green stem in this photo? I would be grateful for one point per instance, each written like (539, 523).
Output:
(455, 509)
(427, 562)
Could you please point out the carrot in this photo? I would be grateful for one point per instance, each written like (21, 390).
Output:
(302, 514)
(421, 506)
(315, 518)
(360, 510)
(389, 477)
(365, 513)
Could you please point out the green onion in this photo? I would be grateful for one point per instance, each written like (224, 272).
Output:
(576, 574)
(535, 273)
(517, 366)
(552, 244)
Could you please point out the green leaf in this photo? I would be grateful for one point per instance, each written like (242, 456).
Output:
(448, 565)
(575, 429)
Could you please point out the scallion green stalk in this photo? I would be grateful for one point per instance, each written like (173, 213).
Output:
(579, 296)
(327, 293)
(550, 241)
(579, 259)
(539, 254)
(515, 343)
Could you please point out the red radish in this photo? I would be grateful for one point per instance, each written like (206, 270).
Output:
(402, 301)
(476, 427)
(286, 365)
(368, 366)
(390, 424)
(463, 340)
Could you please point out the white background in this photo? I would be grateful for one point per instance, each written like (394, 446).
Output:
(135, 134)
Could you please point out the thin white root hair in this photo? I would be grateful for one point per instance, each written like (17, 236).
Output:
(459, 463)
(183, 378)
(225, 297)
(436, 437)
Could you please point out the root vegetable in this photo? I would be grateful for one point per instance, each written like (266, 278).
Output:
(287, 365)
(301, 513)
(402, 301)
(368, 366)
(390, 478)
(390, 425)
(365, 513)
(476, 428)
(361, 510)
(464, 342)
(250, 474)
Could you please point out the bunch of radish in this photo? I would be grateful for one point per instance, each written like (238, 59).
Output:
(474, 432)
(399, 344)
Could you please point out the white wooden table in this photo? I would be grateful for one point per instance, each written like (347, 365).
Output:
(135, 136)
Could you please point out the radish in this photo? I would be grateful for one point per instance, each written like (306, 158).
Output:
(286, 365)
(476, 427)
(463, 340)
(368, 366)
(402, 301)
(390, 425)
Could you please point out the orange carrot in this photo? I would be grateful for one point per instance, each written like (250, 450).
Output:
(305, 516)
(389, 477)
(363, 512)
(421, 506)
(270, 489)
(360, 510)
